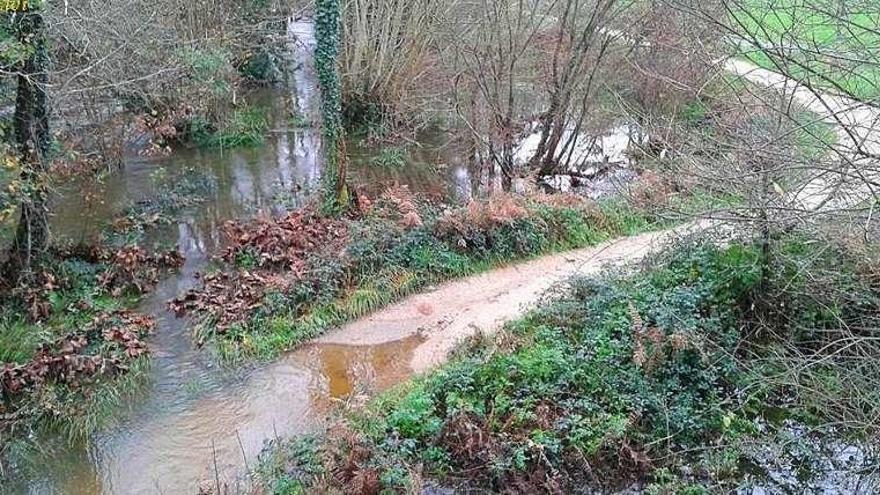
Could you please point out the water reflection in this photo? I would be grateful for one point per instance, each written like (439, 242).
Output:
(346, 371)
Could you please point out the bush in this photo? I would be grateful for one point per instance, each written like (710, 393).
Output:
(246, 126)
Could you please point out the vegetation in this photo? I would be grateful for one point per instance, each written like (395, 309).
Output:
(390, 157)
(246, 126)
(827, 43)
(663, 375)
(175, 192)
(66, 342)
(714, 366)
(363, 263)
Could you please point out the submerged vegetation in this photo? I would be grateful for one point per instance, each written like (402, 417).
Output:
(66, 340)
(175, 192)
(664, 378)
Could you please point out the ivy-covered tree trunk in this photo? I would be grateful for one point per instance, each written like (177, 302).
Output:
(328, 33)
(31, 124)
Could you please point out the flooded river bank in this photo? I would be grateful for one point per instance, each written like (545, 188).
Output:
(194, 421)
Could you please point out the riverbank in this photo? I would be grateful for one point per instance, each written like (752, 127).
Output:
(72, 347)
(290, 279)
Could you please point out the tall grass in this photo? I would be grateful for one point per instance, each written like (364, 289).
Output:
(18, 339)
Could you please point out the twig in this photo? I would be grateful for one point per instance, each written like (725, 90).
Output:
(243, 454)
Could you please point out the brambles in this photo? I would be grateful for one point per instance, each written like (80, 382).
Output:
(390, 157)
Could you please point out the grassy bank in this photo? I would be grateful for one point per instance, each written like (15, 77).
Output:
(824, 42)
(672, 379)
(290, 279)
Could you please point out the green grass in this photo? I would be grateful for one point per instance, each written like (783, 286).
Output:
(245, 127)
(84, 415)
(837, 51)
(654, 364)
(814, 138)
(18, 339)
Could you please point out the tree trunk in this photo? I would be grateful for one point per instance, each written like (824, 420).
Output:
(549, 162)
(328, 34)
(31, 123)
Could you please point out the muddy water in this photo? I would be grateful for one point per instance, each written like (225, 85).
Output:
(196, 422)
(217, 432)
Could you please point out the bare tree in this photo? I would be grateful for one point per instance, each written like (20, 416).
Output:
(518, 59)
(584, 35)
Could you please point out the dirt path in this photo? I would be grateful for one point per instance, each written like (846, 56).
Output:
(452, 311)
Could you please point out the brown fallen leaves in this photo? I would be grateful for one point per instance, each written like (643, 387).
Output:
(229, 297)
(279, 249)
(347, 458)
(283, 242)
(133, 268)
(400, 204)
(105, 346)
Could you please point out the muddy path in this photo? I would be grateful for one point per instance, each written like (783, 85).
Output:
(445, 315)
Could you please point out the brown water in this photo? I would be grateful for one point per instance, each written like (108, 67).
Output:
(195, 421)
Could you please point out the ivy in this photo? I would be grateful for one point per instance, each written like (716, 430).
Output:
(328, 33)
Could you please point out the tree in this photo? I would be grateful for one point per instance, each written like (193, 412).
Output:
(31, 125)
(525, 62)
(328, 34)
